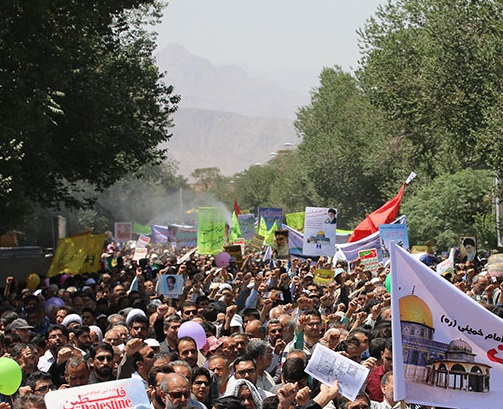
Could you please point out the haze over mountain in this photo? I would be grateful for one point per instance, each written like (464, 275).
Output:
(225, 119)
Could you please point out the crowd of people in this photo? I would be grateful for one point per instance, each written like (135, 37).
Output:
(262, 322)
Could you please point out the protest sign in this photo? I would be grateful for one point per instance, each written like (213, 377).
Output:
(326, 366)
(447, 348)
(123, 231)
(323, 277)
(320, 225)
(210, 230)
(122, 394)
(369, 260)
(170, 285)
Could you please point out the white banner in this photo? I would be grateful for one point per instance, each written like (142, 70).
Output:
(447, 348)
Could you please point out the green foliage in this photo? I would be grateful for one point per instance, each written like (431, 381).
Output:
(435, 68)
(349, 151)
(82, 100)
(450, 206)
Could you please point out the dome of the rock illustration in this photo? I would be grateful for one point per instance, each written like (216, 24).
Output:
(413, 309)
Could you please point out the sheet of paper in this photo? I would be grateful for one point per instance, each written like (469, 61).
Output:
(326, 366)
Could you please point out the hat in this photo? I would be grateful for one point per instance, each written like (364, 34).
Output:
(225, 286)
(308, 275)
(72, 318)
(232, 260)
(90, 281)
(212, 343)
(19, 323)
(99, 317)
(338, 271)
(375, 280)
(153, 343)
(97, 330)
(154, 303)
(133, 313)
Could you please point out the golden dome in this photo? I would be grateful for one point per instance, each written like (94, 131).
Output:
(413, 309)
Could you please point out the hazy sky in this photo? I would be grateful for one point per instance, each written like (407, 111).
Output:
(289, 41)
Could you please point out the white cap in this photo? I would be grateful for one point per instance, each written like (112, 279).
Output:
(72, 318)
(133, 313)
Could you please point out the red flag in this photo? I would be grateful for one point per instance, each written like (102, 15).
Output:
(236, 208)
(384, 215)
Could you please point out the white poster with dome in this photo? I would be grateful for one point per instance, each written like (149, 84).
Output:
(447, 347)
(320, 231)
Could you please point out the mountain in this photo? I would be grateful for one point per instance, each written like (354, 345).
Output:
(225, 119)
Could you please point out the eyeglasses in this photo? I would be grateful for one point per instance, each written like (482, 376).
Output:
(178, 395)
(150, 355)
(190, 312)
(139, 328)
(102, 358)
(46, 388)
(201, 383)
(314, 324)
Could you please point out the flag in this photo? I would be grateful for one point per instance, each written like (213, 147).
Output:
(210, 230)
(92, 262)
(447, 348)
(269, 237)
(141, 229)
(70, 254)
(236, 208)
(235, 232)
(384, 215)
(295, 220)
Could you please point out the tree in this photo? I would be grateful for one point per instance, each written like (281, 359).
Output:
(82, 100)
(449, 207)
(206, 178)
(435, 67)
(349, 151)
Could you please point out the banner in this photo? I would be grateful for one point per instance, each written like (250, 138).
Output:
(323, 276)
(123, 231)
(92, 262)
(350, 250)
(159, 234)
(270, 215)
(247, 223)
(447, 348)
(393, 232)
(257, 242)
(181, 235)
(235, 230)
(141, 229)
(70, 254)
(210, 230)
(124, 394)
(320, 234)
(296, 220)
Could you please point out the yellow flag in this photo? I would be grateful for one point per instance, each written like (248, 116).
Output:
(94, 252)
(269, 236)
(70, 254)
(262, 228)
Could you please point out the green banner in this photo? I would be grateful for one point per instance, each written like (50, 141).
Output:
(141, 229)
(210, 230)
(296, 220)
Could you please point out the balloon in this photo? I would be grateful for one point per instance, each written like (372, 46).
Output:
(222, 259)
(53, 302)
(195, 331)
(387, 283)
(10, 376)
(32, 281)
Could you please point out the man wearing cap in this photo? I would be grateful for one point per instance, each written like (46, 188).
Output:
(20, 327)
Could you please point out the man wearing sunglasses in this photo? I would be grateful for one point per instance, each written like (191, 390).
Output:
(102, 363)
(175, 391)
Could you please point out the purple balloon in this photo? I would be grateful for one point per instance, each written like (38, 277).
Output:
(53, 302)
(222, 259)
(195, 331)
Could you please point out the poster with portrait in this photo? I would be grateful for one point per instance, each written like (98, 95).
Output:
(467, 248)
(320, 231)
(123, 231)
(125, 393)
(170, 285)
